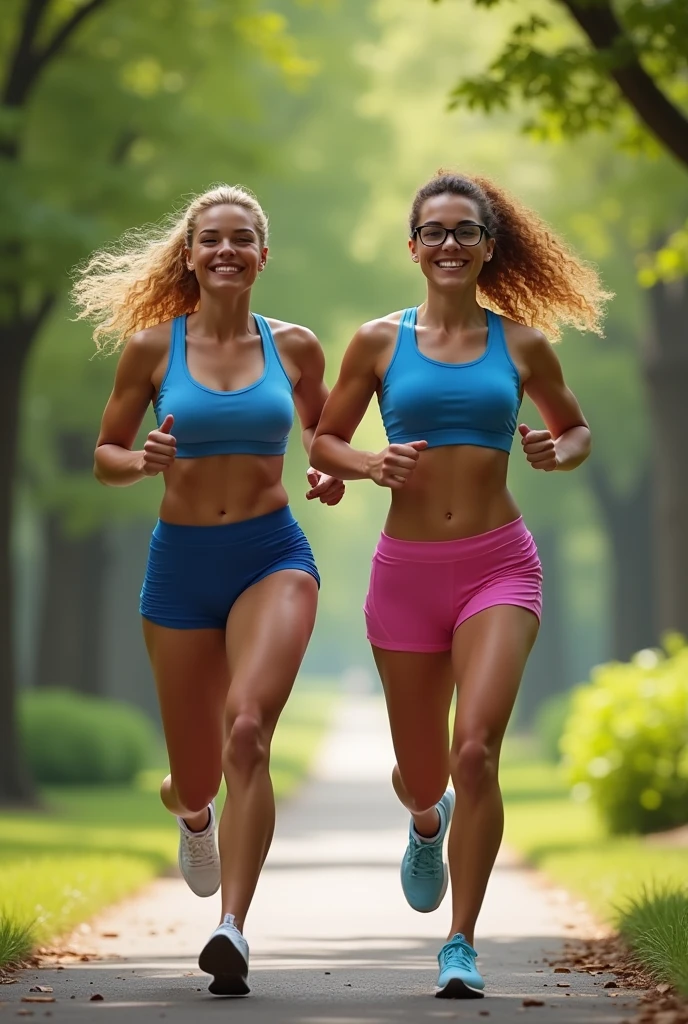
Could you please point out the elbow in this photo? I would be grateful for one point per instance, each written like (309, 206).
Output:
(316, 454)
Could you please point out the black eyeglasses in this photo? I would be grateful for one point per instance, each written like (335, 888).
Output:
(435, 234)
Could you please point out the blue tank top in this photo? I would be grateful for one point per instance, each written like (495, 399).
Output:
(472, 403)
(254, 420)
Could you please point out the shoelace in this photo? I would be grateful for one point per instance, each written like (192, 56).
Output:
(457, 954)
(201, 850)
(426, 860)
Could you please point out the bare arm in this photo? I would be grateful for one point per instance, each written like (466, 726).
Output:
(115, 463)
(310, 395)
(332, 451)
(566, 443)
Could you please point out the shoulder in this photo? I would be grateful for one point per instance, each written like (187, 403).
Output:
(530, 349)
(144, 350)
(376, 335)
(527, 342)
(294, 338)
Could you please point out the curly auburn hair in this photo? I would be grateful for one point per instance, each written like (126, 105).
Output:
(143, 278)
(534, 277)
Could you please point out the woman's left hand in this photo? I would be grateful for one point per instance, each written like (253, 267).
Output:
(539, 448)
(327, 488)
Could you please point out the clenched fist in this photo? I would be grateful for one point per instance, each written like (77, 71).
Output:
(393, 466)
(539, 448)
(160, 449)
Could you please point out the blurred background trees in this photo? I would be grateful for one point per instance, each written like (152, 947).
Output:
(334, 112)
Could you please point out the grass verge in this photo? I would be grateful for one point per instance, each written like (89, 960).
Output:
(654, 926)
(93, 846)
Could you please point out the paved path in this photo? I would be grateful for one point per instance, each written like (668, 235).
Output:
(332, 940)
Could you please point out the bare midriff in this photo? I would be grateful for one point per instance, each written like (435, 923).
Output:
(220, 489)
(455, 491)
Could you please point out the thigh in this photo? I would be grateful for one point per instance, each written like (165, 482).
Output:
(190, 669)
(268, 631)
(418, 692)
(489, 655)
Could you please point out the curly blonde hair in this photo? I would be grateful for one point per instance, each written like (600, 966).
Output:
(142, 279)
(534, 277)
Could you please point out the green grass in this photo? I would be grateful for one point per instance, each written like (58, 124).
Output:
(654, 925)
(92, 846)
(569, 843)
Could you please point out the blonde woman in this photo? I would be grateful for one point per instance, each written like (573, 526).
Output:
(230, 592)
(455, 589)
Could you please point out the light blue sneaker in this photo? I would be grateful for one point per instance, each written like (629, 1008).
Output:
(424, 875)
(225, 956)
(459, 978)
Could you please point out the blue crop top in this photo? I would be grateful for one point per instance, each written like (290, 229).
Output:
(472, 403)
(254, 420)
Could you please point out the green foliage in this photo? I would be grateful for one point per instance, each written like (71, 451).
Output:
(545, 63)
(654, 924)
(16, 941)
(626, 741)
(550, 721)
(72, 739)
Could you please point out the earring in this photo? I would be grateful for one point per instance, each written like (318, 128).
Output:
(488, 257)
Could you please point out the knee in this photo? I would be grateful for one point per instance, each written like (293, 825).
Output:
(246, 746)
(419, 794)
(473, 765)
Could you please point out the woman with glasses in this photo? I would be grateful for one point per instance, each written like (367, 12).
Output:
(231, 587)
(455, 589)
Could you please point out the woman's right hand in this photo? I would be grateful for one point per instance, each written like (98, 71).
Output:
(393, 466)
(160, 449)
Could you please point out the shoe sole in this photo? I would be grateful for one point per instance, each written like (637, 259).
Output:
(458, 989)
(221, 958)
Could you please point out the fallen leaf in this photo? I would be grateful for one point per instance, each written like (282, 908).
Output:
(610, 984)
(563, 984)
(109, 935)
(96, 998)
(533, 1002)
(38, 999)
(562, 970)
(663, 988)
(40, 988)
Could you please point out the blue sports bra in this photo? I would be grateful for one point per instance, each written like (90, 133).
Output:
(254, 420)
(472, 403)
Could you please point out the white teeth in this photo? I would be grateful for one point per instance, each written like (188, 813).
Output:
(446, 264)
(226, 270)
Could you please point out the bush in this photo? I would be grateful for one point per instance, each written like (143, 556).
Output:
(72, 739)
(626, 741)
(550, 721)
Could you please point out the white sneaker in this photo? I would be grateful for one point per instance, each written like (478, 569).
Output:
(199, 861)
(225, 956)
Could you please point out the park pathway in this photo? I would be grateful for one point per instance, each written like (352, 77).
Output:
(332, 940)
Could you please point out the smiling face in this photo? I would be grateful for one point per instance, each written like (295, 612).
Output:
(226, 249)
(451, 264)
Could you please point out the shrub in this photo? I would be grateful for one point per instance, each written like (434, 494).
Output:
(626, 740)
(72, 739)
(550, 720)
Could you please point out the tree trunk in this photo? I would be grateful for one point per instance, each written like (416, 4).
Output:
(546, 669)
(15, 782)
(71, 624)
(666, 377)
(628, 522)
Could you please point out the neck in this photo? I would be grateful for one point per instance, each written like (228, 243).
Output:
(448, 310)
(224, 318)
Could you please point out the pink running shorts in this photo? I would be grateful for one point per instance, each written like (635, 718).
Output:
(421, 591)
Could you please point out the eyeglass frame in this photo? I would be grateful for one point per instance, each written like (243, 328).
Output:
(484, 233)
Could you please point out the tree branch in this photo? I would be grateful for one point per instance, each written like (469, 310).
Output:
(28, 61)
(65, 31)
(664, 120)
(20, 65)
